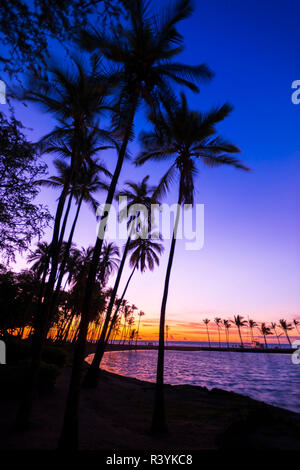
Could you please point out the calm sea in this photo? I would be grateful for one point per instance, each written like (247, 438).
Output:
(271, 378)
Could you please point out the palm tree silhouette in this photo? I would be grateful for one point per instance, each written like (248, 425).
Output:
(109, 261)
(265, 331)
(187, 137)
(74, 99)
(274, 328)
(286, 327)
(227, 325)
(145, 255)
(218, 323)
(143, 50)
(252, 325)
(85, 184)
(206, 322)
(39, 258)
(239, 322)
(137, 194)
(140, 315)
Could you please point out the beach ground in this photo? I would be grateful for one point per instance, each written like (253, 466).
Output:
(117, 415)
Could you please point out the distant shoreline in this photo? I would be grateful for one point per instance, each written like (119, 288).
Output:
(126, 347)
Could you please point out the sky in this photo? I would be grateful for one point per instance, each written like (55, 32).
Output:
(249, 264)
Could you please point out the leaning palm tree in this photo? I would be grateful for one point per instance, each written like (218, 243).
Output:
(239, 323)
(265, 331)
(252, 324)
(286, 327)
(227, 326)
(274, 328)
(218, 323)
(143, 50)
(187, 137)
(137, 195)
(206, 322)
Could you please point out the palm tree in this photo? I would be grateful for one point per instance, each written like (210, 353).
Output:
(286, 327)
(274, 328)
(206, 322)
(137, 194)
(86, 182)
(140, 314)
(265, 331)
(227, 325)
(143, 50)
(239, 322)
(109, 261)
(145, 255)
(74, 99)
(218, 323)
(296, 324)
(39, 258)
(252, 324)
(185, 136)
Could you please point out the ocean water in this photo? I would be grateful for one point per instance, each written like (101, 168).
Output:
(271, 378)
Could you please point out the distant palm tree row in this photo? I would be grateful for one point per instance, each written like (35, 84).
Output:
(278, 329)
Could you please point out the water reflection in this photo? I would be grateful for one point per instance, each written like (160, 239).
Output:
(268, 377)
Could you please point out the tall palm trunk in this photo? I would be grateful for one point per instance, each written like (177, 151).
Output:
(69, 435)
(239, 330)
(266, 344)
(277, 337)
(137, 332)
(158, 418)
(64, 224)
(91, 378)
(288, 338)
(42, 316)
(227, 337)
(208, 337)
(65, 259)
(251, 334)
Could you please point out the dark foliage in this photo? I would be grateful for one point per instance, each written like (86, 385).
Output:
(21, 220)
(26, 27)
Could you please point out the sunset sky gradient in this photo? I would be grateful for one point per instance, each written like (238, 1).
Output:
(249, 264)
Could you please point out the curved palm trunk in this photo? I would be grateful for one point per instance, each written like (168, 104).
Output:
(288, 338)
(69, 435)
(219, 337)
(91, 378)
(239, 330)
(158, 418)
